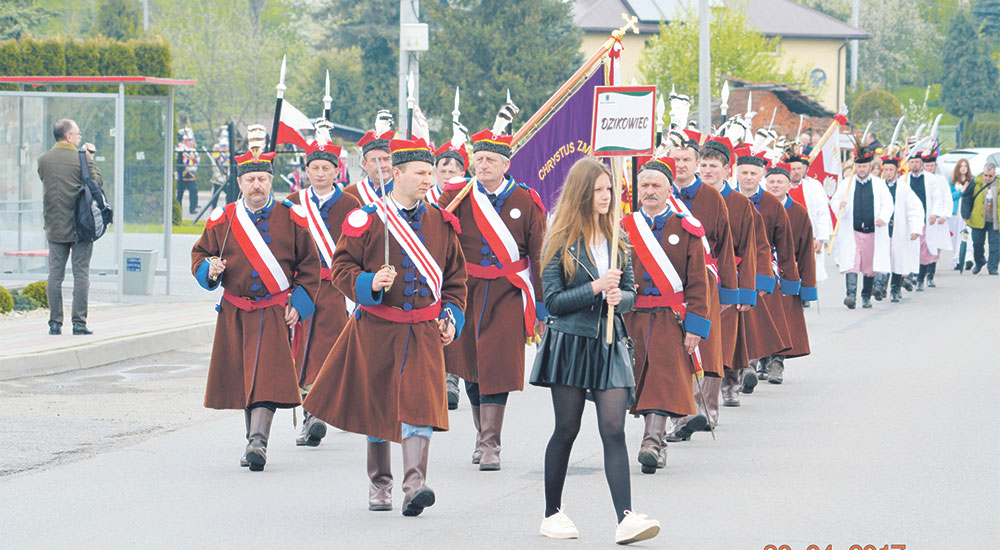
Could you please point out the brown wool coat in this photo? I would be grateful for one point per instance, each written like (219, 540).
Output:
(324, 327)
(252, 355)
(710, 209)
(662, 367)
(59, 170)
(381, 373)
(762, 336)
(741, 227)
(805, 260)
(491, 348)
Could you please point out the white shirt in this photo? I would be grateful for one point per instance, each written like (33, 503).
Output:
(322, 198)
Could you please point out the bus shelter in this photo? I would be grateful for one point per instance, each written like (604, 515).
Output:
(134, 137)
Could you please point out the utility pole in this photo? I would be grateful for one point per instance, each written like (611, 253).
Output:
(145, 15)
(413, 37)
(704, 68)
(854, 46)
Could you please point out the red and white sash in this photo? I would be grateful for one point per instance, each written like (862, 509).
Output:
(710, 261)
(366, 191)
(257, 251)
(320, 233)
(411, 244)
(655, 261)
(502, 242)
(651, 254)
(433, 194)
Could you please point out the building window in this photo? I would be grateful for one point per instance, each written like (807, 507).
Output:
(817, 78)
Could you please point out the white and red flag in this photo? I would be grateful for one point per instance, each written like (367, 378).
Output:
(291, 125)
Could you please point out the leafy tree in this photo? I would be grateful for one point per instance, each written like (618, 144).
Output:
(346, 80)
(971, 76)
(118, 19)
(988, 13)
(489, 46)
(906, 36)
(372, 27)
(671, 57)
(234, 52)
(18, 17)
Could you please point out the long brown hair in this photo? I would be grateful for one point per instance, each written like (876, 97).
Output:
(957, 174)
(573, 219)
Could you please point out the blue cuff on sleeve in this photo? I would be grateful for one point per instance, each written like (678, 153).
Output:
(202, 276)
(765, 283)
(790, 288)
(748, 296)
(808, 294)
(695, 324)
(302, 303)
(363, 290)
(459, 317)
(541, 313)
(729, 296)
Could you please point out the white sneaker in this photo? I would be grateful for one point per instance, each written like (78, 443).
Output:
(636, 527)
(559, 526)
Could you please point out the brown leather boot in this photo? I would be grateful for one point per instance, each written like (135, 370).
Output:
(260, 428)
(661, 459)
(731, 388)
(477, 453)
(244, 463)
(380, 477)
(313, 431)
(416, 494)
(491, 417)
(652, 438)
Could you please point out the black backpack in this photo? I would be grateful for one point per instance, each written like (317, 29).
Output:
(93, 215)
(969, 199)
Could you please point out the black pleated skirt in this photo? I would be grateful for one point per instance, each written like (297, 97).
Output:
(589, 363)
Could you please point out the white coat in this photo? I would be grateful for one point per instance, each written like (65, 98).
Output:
(939, 203)
(843, 244)
(818, 207)
(908, 218)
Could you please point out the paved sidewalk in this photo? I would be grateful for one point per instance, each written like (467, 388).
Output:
(121, 331)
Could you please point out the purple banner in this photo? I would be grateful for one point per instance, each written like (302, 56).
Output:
(544, 160)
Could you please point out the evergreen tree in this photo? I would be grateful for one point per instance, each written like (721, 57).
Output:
(18, 17)
(118, 19)
(971, 76)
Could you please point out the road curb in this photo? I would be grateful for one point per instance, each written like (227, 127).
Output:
(104, 352)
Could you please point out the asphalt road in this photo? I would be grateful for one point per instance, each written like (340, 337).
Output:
(886, 435)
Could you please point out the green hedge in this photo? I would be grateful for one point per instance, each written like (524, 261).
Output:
(97, 56)
(982, 134)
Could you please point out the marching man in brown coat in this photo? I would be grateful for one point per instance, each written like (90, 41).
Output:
(503, 226)
(671, 309)
(327, 207)
(262, 255)
(385, 376)
(778, 184)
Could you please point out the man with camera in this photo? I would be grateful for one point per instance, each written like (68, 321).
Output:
(61, 174)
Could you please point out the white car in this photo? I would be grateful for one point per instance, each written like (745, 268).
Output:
(977, 157)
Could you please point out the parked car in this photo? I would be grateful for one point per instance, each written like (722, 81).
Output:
(977, 157)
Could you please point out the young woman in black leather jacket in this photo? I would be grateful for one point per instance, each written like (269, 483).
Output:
(573, 360)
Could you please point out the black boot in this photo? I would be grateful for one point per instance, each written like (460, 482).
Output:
(931, 269)
(921, 275)
(881, 283)
(909, 281)
(867, 282)
(894, 293)
(852, 290)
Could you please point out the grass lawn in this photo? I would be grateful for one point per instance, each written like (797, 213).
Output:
(185, 228)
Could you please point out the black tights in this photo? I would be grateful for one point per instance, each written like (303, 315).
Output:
(568, 404)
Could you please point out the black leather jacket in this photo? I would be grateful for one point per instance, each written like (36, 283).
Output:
(573, 306)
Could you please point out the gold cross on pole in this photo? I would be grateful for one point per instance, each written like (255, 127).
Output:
(629, 25)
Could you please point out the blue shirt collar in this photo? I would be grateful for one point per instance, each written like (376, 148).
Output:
(726, 189)
(688, 193)
(331, 198)
(501, 193)
(755, 198)
(788, 202)
(266, 208)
